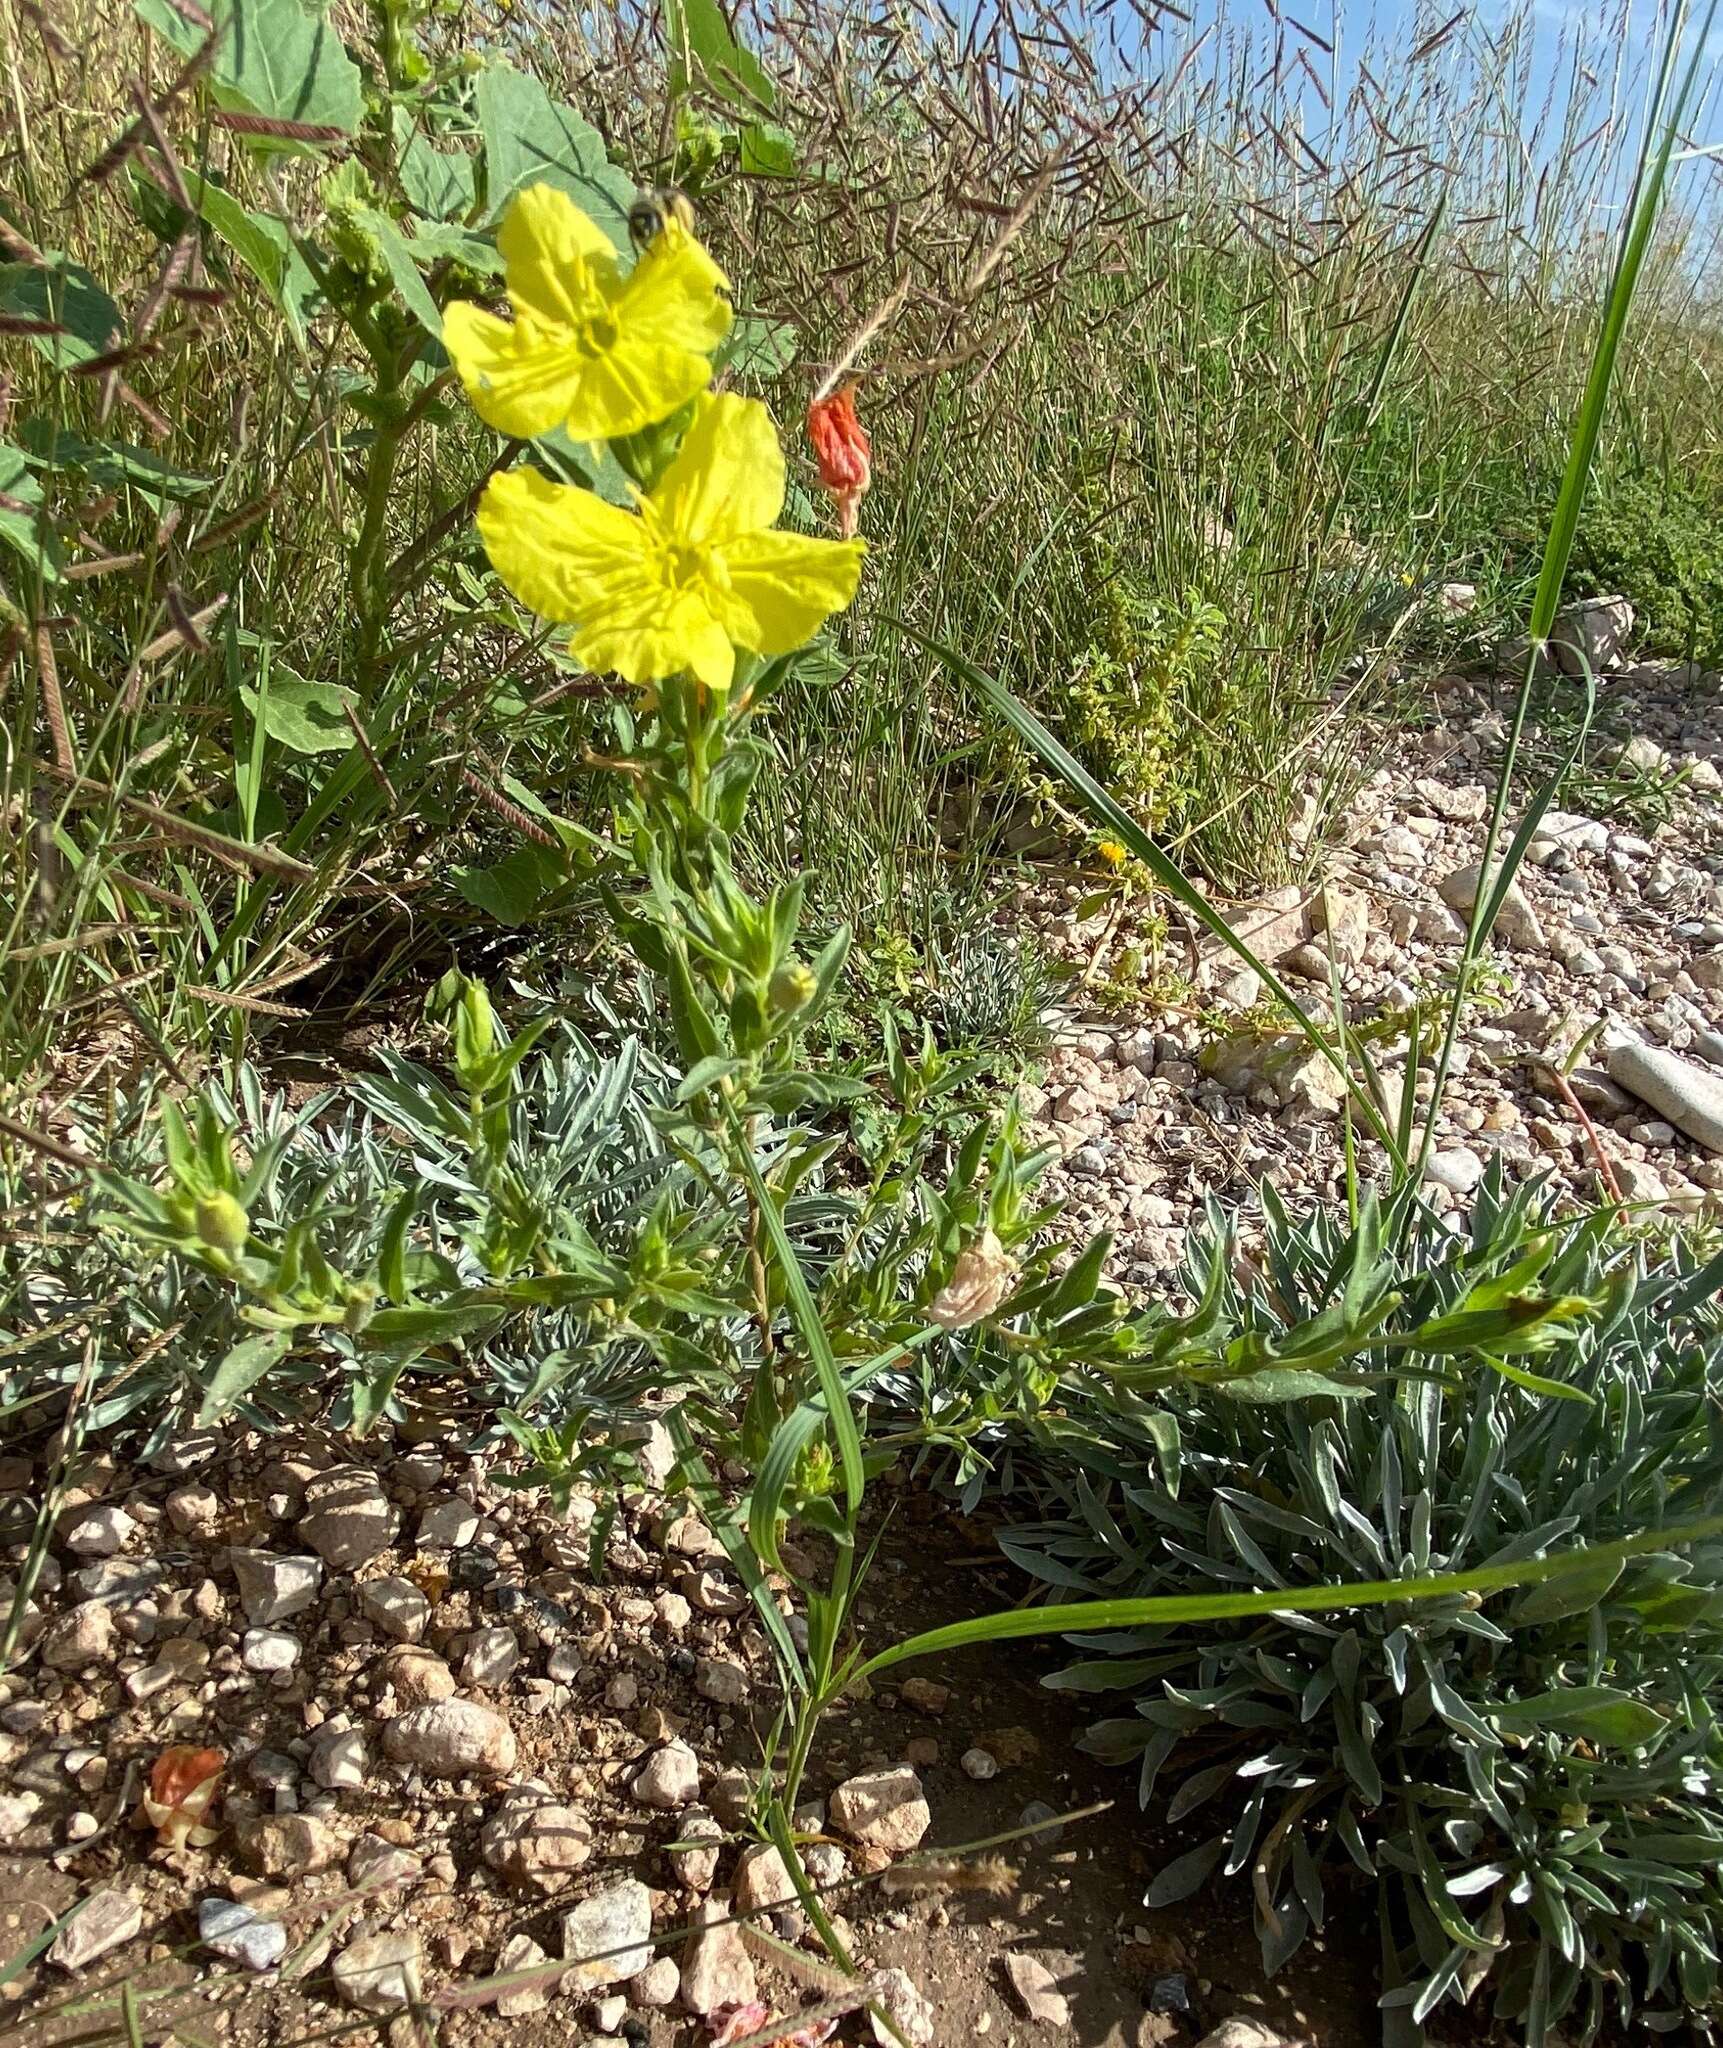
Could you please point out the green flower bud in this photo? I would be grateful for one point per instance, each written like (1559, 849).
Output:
(221, 1223)
(793, 986)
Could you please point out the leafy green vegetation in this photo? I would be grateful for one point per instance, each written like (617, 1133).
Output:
(1659, 540)
(353, 631)
(1530, 1781)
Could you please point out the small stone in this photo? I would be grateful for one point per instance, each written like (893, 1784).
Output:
(449, 1525)
(719, 1680)
(273, 1587)
(1592, 633)
(347, 1518)
(763, 1880)
(451, 1738)
(377, 1865)
(1459, 1169)
(926, 1696)
(338, 1759)
(885, 1809)
(268, 1650)
(669, 1778)
(622, 1692)
(673, 1612)
(657, 1985)
(979, 1764)
(417, 1677)
(716, 1968)
(1244, 2033)
(1688, 1095)
(713, 1594)
(287, 1845)
(521, 1952)
(81, 1826)
(81, 1638)
(17, 1811)
(240, 1933)
(194, 1511)
(1517, 921)
(396, 1606)
(608, 1937)
(535, 1842)
(609, 2013)
(378, 1972)
(894, 1989)
(490, 1658)
(699, 1840)
(1036, 1986)
(103, 1921)
(100, 1533)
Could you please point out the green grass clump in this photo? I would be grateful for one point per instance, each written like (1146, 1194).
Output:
(1658, 540)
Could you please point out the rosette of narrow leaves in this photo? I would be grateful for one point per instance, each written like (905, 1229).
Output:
(1529, 1781)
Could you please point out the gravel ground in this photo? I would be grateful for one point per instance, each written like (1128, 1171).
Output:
(1613, 936)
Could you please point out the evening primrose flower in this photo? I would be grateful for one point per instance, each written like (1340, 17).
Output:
(589, 349)
(690, 575)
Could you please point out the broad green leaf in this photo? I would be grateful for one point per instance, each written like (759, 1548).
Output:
(532, 139)
(69, 298)
(1598, 1712)
(265, 247)
(438, 182)
(239, 1372)
(304, 716)
(404, 271)
(1185, 1874)
(513, 889)
(21, 522)
(112, 464)
(704, 51)
(272, 57)
(768, 151)
(1276, 1386)
(757, 347)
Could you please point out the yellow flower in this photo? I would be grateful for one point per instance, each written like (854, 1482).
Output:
(694, 572)
(1112, 852)
(589, 349)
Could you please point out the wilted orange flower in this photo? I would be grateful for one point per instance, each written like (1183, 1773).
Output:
(184, 1784)
(843, 452)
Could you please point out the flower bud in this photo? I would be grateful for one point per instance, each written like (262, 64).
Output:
(221, 1223)
(792, 986)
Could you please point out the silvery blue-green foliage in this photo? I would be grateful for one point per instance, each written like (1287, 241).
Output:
(387, 1153)
(992, 992)
(1529, 1781)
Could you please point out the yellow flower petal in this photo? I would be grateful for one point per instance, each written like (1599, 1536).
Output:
(676, 294)
(517, 376)
(656, 635)
(562, 267)
(565, 552)
(633, 385)
(788, 585)
(728, 475)
(588, 350)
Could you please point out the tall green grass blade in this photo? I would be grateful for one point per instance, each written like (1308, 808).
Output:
(1651, 173)
(1088, 1616)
